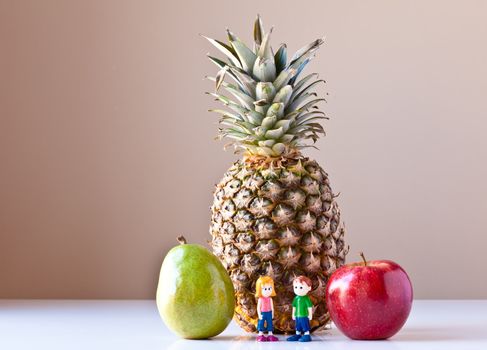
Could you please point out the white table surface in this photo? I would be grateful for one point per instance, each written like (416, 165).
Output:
(135, 324)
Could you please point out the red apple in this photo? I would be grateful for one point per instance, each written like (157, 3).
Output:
(369, 299)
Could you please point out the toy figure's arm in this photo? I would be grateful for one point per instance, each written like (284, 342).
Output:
(294, 313)
(310, 313)
(272, 309)
(258, 309)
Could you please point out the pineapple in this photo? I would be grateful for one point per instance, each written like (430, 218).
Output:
(274, 212)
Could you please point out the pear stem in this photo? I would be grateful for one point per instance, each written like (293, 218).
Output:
(363, 258)
(182, 240)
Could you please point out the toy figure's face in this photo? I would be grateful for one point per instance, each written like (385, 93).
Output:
(267, 290)
(301, 289)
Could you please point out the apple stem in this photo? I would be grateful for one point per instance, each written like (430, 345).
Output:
(182, 240)
(363, 258)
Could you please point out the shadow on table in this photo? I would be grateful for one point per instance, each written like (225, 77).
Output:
(451, 333)
(241, 342)
(336, 340)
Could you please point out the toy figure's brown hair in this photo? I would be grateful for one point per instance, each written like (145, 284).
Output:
(303, 279)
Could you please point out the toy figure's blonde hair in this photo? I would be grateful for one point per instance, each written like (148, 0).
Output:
(263, 280)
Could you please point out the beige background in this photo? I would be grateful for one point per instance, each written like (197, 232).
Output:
(107, 151)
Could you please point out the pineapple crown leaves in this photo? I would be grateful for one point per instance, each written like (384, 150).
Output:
(272, 112)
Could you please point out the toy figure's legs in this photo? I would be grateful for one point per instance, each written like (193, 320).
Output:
(269, 326)
(304, 328)
(265, 325)
(298, 327)
(261, 326)
(268, 321)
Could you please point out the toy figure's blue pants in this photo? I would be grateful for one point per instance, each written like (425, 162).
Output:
(265, 324)
(302, 324)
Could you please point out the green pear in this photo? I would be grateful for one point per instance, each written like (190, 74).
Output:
(195, 295)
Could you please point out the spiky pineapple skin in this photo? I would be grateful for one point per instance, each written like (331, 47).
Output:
(277, 218)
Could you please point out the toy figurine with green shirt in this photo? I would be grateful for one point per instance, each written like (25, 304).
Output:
(302, 309)
(265, 308)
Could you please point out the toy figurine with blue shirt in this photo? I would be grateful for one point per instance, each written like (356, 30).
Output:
(302, 309)
(264, 290)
